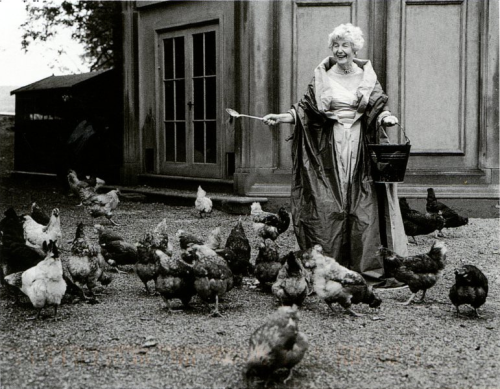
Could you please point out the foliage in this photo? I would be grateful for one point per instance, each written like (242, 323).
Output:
(95, 24)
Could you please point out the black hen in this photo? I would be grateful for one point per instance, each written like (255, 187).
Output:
(107, 235)
(277, 344)
(148, 265)
(114, 248)
(237, 253)
(186, 239)
(291, 286)
(15, 255)
(85, 264)
(11, 227)
(175, 279)
(451, 218)
(420, 271)
(269, 225)
(305, 256)
(212, 276)
(416, 223)
(151, 251)
(267, 264)
(471, 287)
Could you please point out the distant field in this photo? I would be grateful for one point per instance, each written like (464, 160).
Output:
(7, 102)
(6, 145)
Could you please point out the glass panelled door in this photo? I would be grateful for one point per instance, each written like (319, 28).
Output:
(189, 93)
(174, 86)
(205, 98)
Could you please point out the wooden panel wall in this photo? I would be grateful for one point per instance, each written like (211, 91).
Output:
(132, 156)
(313, 24)
(433, 74)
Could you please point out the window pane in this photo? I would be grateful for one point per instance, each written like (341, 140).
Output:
(180, 101)
(210, 53)
(197, 55)
(169, 142)
(211, 143)
(181, 142)
(169, 100)
(211, 97)
(179, 57)
(168, 53)
(199, 142)
(199, 101)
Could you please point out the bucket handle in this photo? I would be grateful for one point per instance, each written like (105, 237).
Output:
(402, 129)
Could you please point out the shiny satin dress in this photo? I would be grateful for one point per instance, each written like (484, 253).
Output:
(343, 102)
(334, 201)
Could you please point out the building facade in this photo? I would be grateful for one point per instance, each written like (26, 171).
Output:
(186, 62)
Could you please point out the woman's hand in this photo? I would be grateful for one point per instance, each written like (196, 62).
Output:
(390, 120)
(271, 119)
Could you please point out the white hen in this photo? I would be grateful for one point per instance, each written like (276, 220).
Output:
(43, 283)
(35, 234)
(203, 204)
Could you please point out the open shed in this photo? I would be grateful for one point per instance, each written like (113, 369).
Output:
(70, 121)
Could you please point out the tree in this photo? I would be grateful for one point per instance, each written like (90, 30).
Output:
(95, 24)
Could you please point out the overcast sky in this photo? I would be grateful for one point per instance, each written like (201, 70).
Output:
(42, 59)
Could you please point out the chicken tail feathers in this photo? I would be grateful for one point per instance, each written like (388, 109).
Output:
(214, 241)
(10, 213)
(432, 203)
(294, 266)
(431, 196)
(258, 226)
(438, 249)
(372, 299)
(80, 231)
(391, 261)
(255, 208)
(15, 280)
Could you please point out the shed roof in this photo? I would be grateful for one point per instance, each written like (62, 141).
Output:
(59, 82)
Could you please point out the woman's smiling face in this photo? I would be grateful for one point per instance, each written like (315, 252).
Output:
(343, 52)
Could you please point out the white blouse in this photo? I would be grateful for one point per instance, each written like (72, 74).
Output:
(341, 98)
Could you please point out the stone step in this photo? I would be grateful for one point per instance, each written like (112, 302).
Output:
(239, 205)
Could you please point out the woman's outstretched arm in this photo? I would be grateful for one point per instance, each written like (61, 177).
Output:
(273, 118)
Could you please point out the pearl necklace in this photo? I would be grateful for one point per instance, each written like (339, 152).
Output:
(337, 69)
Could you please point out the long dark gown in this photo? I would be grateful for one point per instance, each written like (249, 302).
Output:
(352, 219)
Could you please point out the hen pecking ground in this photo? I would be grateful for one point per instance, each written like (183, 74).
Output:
(129, 341)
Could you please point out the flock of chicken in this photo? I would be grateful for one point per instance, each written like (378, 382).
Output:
(33, 262)
(437, 217)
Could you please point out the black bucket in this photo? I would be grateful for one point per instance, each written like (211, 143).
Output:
(389, 161)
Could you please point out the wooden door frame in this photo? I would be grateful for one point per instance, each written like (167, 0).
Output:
(189, 168)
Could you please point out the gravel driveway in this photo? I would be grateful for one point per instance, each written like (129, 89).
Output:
(129, 341)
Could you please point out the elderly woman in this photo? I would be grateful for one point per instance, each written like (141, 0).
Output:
(335, 202)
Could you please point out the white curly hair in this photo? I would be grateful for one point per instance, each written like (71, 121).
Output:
(347, 32)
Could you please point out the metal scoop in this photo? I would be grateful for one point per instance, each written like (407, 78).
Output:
(235, 114)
